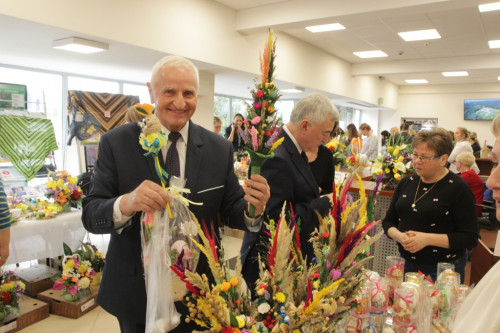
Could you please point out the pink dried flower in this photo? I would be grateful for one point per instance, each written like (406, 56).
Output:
(254, 139)
(256, 120)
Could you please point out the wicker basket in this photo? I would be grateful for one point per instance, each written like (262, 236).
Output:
(36, 278)
(31, 310)
(60, 306)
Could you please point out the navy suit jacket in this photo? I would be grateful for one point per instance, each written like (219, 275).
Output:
(121, 166)
(291, 181)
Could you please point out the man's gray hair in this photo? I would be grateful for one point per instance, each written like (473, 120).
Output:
(315, 107)
(174, 61)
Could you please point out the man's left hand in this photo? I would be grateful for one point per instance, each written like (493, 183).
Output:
(257, 192)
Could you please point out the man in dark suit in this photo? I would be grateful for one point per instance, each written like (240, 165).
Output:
(125, 184)
(291, 179)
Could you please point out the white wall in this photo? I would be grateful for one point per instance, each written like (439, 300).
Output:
(444, 102)
(204, 115)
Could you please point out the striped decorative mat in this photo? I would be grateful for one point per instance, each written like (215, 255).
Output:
(26, 141)
(108, 109)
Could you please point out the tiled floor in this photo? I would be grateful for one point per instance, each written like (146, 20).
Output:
(96, 321)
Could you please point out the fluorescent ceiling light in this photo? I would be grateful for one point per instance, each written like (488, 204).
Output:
(494, 44)
(410, 36)
(370, 54)
(488, 7)
(79, 45)
(459, 73)
(295, 90)
(325, 27)
(417, 81)
(499, 78)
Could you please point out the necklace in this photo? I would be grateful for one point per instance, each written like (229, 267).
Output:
(415, 199)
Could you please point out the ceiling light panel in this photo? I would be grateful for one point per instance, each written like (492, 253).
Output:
(79, 45)
(489, 7)
(458, 73)
(410, 36)
(370, 54)
(325, 27)
(417, 81)
(494, 44)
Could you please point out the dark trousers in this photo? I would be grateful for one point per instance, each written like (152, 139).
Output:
(131, 327)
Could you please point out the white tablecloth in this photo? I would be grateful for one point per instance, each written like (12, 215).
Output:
(40, 239)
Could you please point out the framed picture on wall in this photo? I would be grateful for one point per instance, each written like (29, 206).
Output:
(481, 109)
(418, 124)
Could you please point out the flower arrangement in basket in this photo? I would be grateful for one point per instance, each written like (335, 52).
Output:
(10, 289)
(291, 297)
(260, 134)
(393, 165)
(63, 188)
(77, 273)
(337, 146)
(90, 252)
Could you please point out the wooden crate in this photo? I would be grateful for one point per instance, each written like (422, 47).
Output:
(60, 306)
(8, 325)
(31, 311)
(36, 278)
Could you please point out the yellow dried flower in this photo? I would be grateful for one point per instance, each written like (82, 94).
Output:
(233, 281)
(225, 286)
(280, 297)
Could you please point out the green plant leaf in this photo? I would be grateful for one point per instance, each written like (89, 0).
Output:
(67, 250)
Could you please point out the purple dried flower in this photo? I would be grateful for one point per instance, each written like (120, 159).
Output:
(243, 134)
(271, 139)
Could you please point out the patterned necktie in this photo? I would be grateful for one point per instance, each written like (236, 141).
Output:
(172, 164)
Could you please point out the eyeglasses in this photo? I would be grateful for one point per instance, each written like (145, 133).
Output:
(422, 158)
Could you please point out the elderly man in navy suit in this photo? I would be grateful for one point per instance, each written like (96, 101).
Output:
(125, 184)
(291, 180)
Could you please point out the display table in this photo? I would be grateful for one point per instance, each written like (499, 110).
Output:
(40, 239)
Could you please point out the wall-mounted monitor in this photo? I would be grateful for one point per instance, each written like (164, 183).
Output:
(13, 96)
(481, 109)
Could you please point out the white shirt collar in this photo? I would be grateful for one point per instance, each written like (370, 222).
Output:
(184, 132)
(287, 131)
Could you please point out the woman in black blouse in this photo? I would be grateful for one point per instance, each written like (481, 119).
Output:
(432, 214)
(323, 168)
(232, 132)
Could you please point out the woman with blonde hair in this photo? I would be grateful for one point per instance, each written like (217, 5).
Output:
(461, 136)
(464, 163)
(394, 130)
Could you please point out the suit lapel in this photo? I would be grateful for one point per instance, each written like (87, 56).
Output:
(300, 163)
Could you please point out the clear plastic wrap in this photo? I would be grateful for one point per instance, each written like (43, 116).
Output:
(166, 238)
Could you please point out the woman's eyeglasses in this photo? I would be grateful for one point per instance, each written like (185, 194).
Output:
(422, 158)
